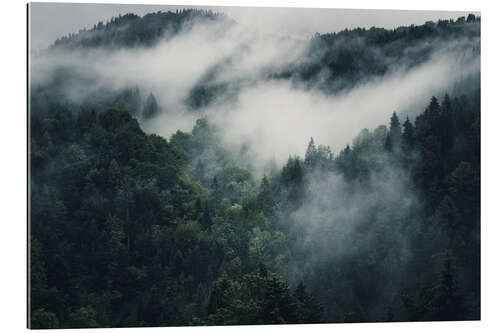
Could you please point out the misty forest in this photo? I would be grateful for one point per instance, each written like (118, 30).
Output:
(190, 169)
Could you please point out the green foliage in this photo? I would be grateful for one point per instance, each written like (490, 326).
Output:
(139, 242)
(83, 317)
(43, 319)
(258, 299)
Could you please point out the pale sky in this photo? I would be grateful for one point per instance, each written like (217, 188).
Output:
(49, 21)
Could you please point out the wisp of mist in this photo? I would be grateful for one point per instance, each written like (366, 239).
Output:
(273, 118)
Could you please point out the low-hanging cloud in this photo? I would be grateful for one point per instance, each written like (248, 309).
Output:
(275, 118)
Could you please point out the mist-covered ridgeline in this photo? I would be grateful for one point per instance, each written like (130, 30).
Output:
(187, 169)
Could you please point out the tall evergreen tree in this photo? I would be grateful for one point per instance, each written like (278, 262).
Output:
(393, 140)
(311, 157)
(151, 107)
(408, 136)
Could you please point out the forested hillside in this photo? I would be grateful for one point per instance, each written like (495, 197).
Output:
(336, 62)
(131, 30)
(136, 229)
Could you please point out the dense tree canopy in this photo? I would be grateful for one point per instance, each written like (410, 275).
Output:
(131, 30)
(124, 233)
(133, 229)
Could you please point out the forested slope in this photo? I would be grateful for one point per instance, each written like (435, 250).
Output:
(337, 62)
(122, 235)
(133, 229)
(131, 30)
